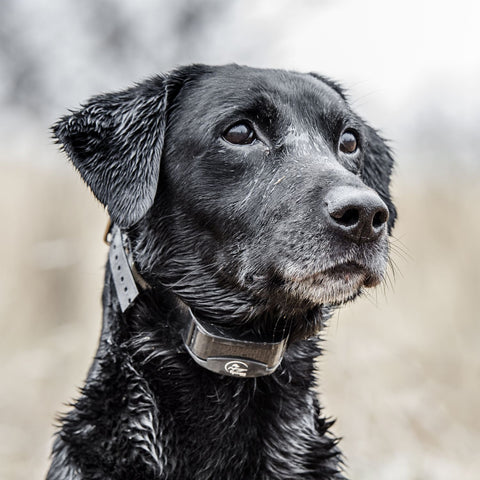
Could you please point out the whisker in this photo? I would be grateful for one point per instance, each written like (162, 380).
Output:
(400, 248)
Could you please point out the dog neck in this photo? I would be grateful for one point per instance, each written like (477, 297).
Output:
(210, 347)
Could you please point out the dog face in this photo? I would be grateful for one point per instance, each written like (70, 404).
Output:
(272, 199)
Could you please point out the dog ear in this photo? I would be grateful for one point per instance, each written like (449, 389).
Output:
(115, 141)
(331, 83)
(377, 170)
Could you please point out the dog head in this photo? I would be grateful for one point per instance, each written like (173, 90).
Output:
(248, 193)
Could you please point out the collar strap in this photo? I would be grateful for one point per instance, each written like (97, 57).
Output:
(213, 351)
(125, 276)
(231, 356)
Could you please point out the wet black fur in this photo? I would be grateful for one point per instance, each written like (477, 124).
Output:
(214, 226)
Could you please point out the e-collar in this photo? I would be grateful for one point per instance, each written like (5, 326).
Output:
(215, 351)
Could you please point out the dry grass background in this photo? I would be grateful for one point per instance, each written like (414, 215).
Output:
(401, 370)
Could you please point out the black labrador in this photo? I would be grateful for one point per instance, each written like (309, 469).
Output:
(246, 204)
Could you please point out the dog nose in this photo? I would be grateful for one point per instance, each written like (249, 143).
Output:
(358, 214)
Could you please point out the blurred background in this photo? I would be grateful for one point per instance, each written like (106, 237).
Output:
(402, 365)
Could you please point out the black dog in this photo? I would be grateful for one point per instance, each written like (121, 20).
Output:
(246, 204)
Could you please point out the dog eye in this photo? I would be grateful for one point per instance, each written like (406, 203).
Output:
(240, 134)
(348, 142)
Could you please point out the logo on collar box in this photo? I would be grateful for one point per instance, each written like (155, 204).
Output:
(236, 368)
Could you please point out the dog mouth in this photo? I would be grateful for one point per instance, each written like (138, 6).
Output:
(341, 272)
(334, 285)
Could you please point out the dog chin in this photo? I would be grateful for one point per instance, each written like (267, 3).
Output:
(334, 286)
